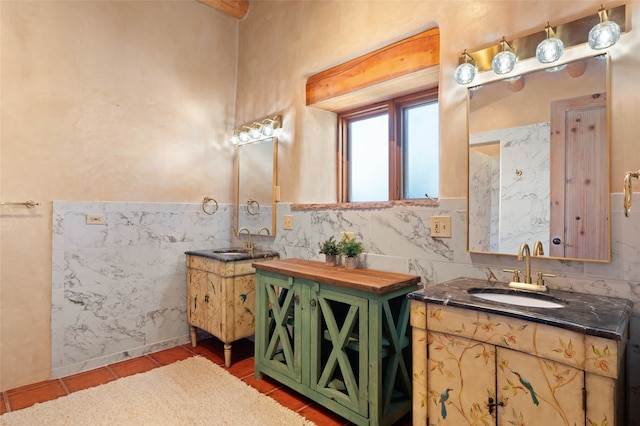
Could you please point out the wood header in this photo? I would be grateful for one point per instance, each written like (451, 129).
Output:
(369, 280)
(236, 8)
(397, 62)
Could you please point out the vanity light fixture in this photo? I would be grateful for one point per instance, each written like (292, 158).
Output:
(256, 131)
(547, 46)
(604, 34)
(466, 71)
(551, 48)
(504, 61)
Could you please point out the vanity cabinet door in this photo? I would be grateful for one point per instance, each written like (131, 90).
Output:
(538, 391)
(197, 282)
(340, 348)
(278, 345)
(460, 380)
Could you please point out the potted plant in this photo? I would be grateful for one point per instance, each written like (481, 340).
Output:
(350, 249)
(330, 250)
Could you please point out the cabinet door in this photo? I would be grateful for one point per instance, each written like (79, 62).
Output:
(340, 347)
(279, 332)
(538, 391)
(460, 380)
(196, 291)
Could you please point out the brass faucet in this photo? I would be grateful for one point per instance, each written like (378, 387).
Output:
(248, 244)
(538, 249)
(524, 249)
(525, 254)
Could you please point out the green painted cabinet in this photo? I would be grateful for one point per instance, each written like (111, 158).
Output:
(339, 337)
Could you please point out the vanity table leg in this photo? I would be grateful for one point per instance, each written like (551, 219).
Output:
(227, 355)
(192, 331)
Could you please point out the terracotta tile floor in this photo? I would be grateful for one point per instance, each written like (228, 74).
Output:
(212, 349)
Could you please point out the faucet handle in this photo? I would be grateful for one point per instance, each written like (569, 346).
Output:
(516, 274)
(541, 279)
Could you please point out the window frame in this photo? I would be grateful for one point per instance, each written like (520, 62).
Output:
(392, 107)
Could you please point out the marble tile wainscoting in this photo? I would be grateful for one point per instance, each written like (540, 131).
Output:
(398, 240)
(119, 289)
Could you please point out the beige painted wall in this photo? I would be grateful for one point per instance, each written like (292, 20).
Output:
(308, 37)
(123, 101)
(101, 101)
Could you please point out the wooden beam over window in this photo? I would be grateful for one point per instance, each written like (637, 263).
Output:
(236, 8)
(405, 66)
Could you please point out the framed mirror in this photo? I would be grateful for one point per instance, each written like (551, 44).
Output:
(256, 202)
(538, 162)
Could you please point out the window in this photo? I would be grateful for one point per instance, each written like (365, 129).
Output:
(390, 151)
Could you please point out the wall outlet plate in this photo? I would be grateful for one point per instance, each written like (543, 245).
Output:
(346, 234)
(95, 219)
(287, 222)
(441, 226)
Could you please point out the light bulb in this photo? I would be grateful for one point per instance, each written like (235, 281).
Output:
(503, 62)
(244, 137)
(464, 73)
(267, 129)
(550, 49)
(255, 132)
(603, 35)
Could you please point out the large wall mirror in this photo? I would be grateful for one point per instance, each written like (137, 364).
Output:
(256, 203)
(539, 162)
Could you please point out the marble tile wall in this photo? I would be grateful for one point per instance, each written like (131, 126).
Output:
(119, 289)
(398, 240)
(524, 187)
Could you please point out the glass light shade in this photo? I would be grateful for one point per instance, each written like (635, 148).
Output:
(235, 140)
(503, 62)
(255, 132)
(549, 50)
(244, 137)
(603, 35)
(267, 129)
(465, 73)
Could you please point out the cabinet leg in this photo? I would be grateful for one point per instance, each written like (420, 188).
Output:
(227, 355)
(192, 331)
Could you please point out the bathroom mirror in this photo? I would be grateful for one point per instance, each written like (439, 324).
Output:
(256, 202)
(538, 163)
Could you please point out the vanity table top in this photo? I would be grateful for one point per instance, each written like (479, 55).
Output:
(590, 314)
(370, 280)
(232, 254)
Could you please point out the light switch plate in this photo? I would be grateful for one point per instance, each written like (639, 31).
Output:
(441, 226)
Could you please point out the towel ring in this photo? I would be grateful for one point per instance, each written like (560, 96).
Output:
(207, 200)
(253, 207)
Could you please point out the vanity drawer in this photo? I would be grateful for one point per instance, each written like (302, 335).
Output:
(565, 346)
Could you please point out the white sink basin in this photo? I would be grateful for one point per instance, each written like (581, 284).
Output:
(519, 298)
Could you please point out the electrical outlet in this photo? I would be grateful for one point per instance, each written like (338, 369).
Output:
(345, 234)
(287, 222)
(441, 226)
(95, 219)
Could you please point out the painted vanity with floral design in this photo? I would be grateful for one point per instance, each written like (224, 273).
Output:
(221, 293)
(482, 362)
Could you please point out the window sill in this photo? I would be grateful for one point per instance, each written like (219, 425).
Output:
(366, 205)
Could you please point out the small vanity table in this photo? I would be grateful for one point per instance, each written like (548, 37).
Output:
(338, 336)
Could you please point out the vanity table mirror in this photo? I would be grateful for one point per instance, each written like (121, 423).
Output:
(256, 202)
(538, 162)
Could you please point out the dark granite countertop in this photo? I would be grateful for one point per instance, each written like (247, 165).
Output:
(601, 316)
(233, 254)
